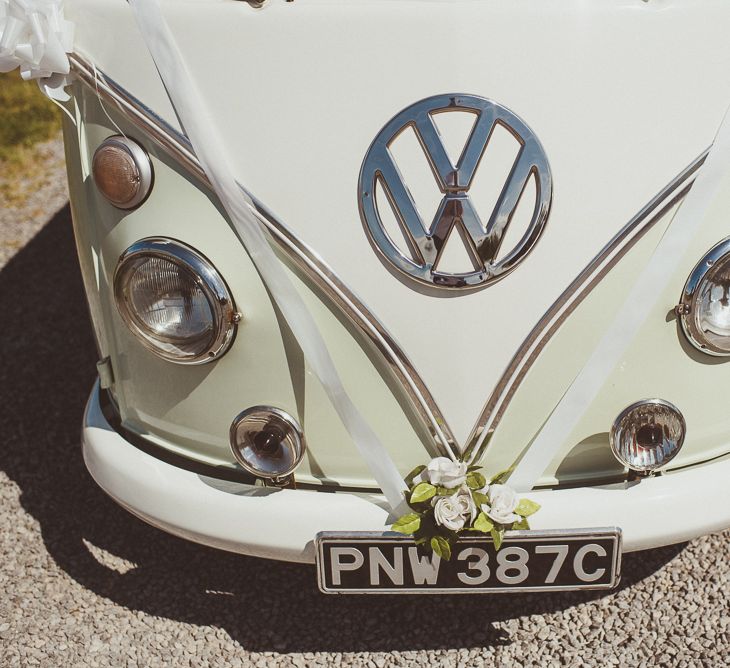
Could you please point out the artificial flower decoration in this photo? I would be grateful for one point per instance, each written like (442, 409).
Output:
(450, 497)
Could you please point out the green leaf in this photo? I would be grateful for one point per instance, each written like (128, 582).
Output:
(441, 547)
(475, 480)
(473, 467)
(497, 537)
(480, 499)
(483, 524)
(500, 477)
(416, 471)
(423, 491)
(526, 507)
(522, 525)
(445, 491)
(407, 524)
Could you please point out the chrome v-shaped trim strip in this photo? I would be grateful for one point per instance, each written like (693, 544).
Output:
(569, 300)
(177, 146)
(308, 262)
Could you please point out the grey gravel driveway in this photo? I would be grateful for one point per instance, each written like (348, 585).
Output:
(85, 584)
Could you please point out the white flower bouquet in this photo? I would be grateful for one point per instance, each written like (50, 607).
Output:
(449, 497)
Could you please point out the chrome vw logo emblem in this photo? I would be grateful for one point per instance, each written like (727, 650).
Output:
(482, 237)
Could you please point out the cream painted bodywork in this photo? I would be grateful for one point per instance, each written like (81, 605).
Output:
(282, 523)
(612, 90)
(189, 409)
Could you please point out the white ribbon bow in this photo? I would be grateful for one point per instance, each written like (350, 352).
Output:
(35, 37)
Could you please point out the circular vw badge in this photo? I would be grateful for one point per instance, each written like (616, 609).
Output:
(425, 240)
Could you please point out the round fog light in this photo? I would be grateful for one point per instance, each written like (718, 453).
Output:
(122, 172)
(647, 434)
(267, 442)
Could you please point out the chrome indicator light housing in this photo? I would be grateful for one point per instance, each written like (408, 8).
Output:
(122, 172)
(174, 301)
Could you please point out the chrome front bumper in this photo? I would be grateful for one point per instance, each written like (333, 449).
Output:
(282, 523)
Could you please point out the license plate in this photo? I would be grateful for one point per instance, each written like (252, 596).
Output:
(390, 563)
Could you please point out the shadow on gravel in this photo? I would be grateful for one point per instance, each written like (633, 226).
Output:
(47, 359)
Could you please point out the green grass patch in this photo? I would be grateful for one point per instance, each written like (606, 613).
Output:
(27, 118)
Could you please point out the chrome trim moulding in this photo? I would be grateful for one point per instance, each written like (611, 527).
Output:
(306, 260)
(178, 147)
(570, 299)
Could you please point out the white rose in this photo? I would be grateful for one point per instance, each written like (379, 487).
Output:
(464, 498)
(453, 512)
(444, 472)
(502, 503)
(448, 513)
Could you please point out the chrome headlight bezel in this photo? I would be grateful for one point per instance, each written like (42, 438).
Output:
(207, 278)
(687, 309)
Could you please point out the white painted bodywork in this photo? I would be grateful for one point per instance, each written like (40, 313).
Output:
(282, 524)
(623, 94)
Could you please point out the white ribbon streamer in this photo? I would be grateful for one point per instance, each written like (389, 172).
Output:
(35, 37)
(641, 300)
(190, 107)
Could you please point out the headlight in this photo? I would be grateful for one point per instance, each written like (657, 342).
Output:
(647, 434)
(268, 442)
(174, 301)
(705, 307)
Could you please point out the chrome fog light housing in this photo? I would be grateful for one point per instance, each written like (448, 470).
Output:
(174, 301)
(647, 435)
(704, 310)
(267, 442)
(122, 172)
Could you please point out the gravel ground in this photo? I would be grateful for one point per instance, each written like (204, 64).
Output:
(86, 584)
(33, 200)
